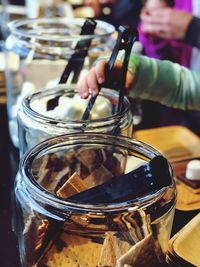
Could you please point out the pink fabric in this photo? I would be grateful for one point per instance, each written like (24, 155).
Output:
(173, 50)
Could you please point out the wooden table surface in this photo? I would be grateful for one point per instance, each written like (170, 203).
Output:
(179, 145)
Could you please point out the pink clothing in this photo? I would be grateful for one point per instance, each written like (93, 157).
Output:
(173, 50)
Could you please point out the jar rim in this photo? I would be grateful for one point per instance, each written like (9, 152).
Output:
(88, 138)
(14, 27)
(63, 89)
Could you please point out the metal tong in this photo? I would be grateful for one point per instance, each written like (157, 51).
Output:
(125, 40)
(75, 63)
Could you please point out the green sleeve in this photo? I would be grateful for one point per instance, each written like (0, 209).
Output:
(165, 82)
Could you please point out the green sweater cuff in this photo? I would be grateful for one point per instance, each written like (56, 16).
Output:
(165, 82)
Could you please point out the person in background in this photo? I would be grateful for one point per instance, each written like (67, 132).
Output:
(117, 12)
(179, 23)
(170, 29)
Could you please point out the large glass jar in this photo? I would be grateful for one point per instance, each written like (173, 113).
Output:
(54, 230)
(48, 8)
(59, 110)
(38, 50)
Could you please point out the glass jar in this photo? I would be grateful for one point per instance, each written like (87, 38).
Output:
(36, 123)
(9, 12)
(38, 50)
(48, 8)
(54, 230)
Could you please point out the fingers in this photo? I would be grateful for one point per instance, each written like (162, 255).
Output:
(100, 71)
(158, 29)
(158, 22)
(165, 13)
(83, 88)
(90, 83)
(162, 16)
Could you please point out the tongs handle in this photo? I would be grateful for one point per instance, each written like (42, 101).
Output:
(81, 50)
(145, 180)
(76, 62)
(125, 40)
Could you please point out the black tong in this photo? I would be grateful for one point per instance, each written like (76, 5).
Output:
(126, 38)
(143, 181)
(75, 63)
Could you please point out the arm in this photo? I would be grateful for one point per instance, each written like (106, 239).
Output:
(165, 82)
(153, 79)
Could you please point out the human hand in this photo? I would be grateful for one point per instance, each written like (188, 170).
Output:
(96, 77)
(97, 5)
(154, 4)
(166, 23)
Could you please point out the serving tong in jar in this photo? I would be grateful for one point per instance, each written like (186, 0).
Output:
(125, 40)
(140, 182)
(75, 63)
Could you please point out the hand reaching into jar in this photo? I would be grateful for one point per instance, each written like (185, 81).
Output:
(146, 78)
(97, 77)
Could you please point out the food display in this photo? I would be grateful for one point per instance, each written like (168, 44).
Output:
(38, 51)
(59, 110)
(72, 108)
(60, 232)
(193, 170)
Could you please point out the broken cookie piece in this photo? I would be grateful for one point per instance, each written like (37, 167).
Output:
(113, 248)
(72, 186)
(142, 254)
(98, 176)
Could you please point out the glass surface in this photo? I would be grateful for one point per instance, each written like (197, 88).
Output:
(37, 52)
(37, 120)
(54, 231)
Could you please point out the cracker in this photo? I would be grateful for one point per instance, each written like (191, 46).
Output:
(112, 249)
(72, 186)
(98, 176)
(142, 254)
(88, 157)
(79, 251)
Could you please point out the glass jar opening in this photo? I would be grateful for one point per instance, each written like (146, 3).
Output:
(95, 158)
(57, 29)
(104, 112)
